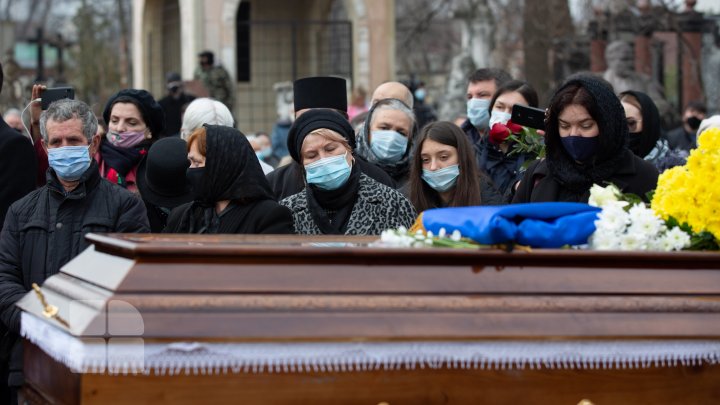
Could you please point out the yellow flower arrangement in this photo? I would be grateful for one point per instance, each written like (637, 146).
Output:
(691, 193)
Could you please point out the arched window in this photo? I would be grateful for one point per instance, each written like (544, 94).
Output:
(243, 42)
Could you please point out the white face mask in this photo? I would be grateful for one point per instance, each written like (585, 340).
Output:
(499, 117)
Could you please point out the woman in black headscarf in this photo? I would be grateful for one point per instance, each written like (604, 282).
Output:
(338, 198)
(386, 138)
(231, 194)
(644, 139)
(585, 140)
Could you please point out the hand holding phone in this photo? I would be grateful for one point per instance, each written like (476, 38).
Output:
(54, 94)
(528, 116)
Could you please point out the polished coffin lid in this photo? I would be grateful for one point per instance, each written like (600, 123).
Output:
(293, 288)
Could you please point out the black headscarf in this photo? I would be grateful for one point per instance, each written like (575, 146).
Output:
(606, 109)
(397, 169)
(650, 123)
(232, 172)
(152, 113)
(330, 209)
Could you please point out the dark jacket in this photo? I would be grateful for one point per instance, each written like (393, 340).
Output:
(377, 208)
(634, 175)
(46, 229)
(504, 170)
(18, 167)
(289, 180)
(173, 109)
(265, 216)
(679, 139)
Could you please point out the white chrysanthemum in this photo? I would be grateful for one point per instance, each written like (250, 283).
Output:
(676, 239)
(605, 241)
(644, 221)
(602, 196)
(612, 219)
(633, 241)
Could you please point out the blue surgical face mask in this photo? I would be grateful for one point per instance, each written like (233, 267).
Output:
(329, 173)
(499, 117)
(389, 146)
(442, 180)
(420, 94)
(69, 162)
(477, 112)
(264, 153)
(580, 148)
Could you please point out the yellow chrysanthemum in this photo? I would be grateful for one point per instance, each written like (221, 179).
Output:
(691, 193)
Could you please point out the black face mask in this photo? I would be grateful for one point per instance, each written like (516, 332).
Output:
(634, 141)
(693, 122)
(196, 178)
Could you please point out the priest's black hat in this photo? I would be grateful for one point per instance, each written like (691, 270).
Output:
(320, 92)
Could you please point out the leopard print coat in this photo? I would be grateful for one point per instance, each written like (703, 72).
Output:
(378, 207)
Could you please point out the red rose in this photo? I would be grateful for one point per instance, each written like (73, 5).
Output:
(515, 128)
(498, 134)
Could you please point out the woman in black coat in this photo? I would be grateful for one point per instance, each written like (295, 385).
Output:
(231, 194)
(586, 135)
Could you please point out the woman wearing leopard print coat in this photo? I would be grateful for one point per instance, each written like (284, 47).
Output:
(338, 199)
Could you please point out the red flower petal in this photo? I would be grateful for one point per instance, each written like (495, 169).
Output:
(515, 128)
(498, 134)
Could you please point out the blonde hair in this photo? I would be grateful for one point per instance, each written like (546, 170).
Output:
(331, 135)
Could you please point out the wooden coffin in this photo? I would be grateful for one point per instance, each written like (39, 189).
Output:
(293, 293)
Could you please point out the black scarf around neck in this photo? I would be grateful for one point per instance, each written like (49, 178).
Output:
(120, 159)
(331, 209)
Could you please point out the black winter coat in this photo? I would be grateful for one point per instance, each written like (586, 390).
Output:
(18, 167)
(634, 176)
(265, 216)
(45, 230)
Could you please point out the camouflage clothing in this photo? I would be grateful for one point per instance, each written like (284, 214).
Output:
(218, 84)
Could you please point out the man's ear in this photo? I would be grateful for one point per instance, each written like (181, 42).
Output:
(94, 145)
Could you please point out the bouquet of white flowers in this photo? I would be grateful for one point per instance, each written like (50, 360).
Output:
(626, 223)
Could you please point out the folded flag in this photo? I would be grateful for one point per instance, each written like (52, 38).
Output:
(548, 225)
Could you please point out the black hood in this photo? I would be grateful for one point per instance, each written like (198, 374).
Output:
(650, 123)
(232, 170)
(605, 108)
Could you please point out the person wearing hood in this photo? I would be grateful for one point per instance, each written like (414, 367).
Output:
(586, 135)
(134, 121)
(338, 198)
(313, 93)
(230, 193)
(386, 138)
(644, 140)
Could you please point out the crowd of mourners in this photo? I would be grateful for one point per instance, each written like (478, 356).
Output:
(329, 169)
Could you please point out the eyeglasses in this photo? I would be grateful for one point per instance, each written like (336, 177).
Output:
(633, 125)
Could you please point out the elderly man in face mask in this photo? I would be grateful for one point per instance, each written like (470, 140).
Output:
(46, 229)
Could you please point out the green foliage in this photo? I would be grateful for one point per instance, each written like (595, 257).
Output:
(698, 241)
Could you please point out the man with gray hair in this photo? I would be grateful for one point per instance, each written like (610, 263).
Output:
(46, 229)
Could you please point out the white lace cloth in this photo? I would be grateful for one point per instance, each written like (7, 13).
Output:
(132, 355)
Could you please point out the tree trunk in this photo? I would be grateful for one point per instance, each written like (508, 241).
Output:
(543, 23)
(125, 68)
